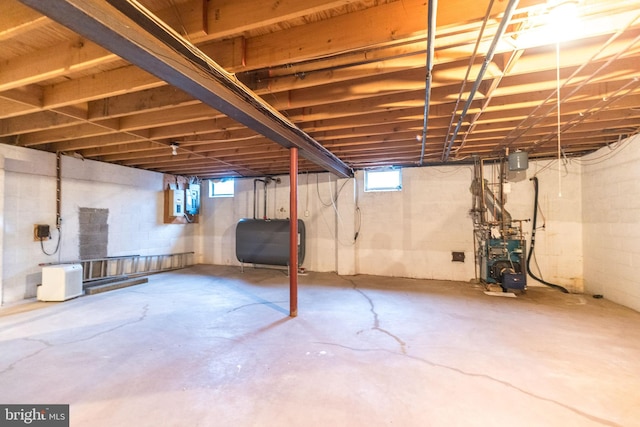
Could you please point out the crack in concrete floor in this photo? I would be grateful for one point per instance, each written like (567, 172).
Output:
(403, 352)
(48, 345)
(373, 315)
(376, 318)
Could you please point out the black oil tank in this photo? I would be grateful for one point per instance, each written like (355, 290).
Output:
(266, 241)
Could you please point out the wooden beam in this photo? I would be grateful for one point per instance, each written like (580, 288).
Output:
(72, 56)
(110, 83)
(16, 20)
(141, 101)
(35, 122)
(102, 24)
(376, 26)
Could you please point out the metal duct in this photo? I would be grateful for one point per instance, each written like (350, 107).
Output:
(267, 241)
(163, 53)
(491, 202)
(495, 207)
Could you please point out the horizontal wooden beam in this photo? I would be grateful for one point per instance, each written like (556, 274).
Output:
(102, 24)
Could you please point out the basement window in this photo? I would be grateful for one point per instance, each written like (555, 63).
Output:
(383, 180)
(221, 187)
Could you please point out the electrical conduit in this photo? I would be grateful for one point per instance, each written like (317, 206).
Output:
(485, 65)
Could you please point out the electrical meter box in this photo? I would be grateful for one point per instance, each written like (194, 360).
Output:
(176, 202)
(181, 206)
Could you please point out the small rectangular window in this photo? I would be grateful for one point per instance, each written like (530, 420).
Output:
(221, 187)
(383, 180)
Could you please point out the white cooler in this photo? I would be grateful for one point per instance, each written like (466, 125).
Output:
(60, 282)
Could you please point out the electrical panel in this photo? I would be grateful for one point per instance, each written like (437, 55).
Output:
(176, 197)
(193, 199)
(181, 205)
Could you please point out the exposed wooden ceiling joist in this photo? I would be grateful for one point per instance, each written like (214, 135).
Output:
(216, 88)
(350, 74)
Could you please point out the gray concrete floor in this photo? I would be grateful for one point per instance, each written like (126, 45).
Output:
(211, 346)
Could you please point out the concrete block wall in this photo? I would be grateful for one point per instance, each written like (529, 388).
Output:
(94, 233)
(133, 198)
(558, 247)
(411, 233)
(611, 221)
(220, 216)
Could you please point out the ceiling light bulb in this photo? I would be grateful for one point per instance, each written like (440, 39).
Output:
(563, 19)
(174, 148)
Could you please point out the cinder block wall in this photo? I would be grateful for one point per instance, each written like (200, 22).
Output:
(611, 220)
(132, 197)
(410, 233)
(218, 224)
(558, 255)
(591, 208)
(94, 233)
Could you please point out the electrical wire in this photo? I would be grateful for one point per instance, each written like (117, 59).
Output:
(517, 131)
(185, 33)
(57, 245)
(340, 220)
(533, 240)
(332, 204)
(615, 150)
(318, 192)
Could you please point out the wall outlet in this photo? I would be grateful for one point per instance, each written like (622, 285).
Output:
(41, 232)
(307, 213)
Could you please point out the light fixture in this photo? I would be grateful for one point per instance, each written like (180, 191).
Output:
(174, 148)
(563, 19)
(550, 23)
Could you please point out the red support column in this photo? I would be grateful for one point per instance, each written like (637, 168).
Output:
(293, 232)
